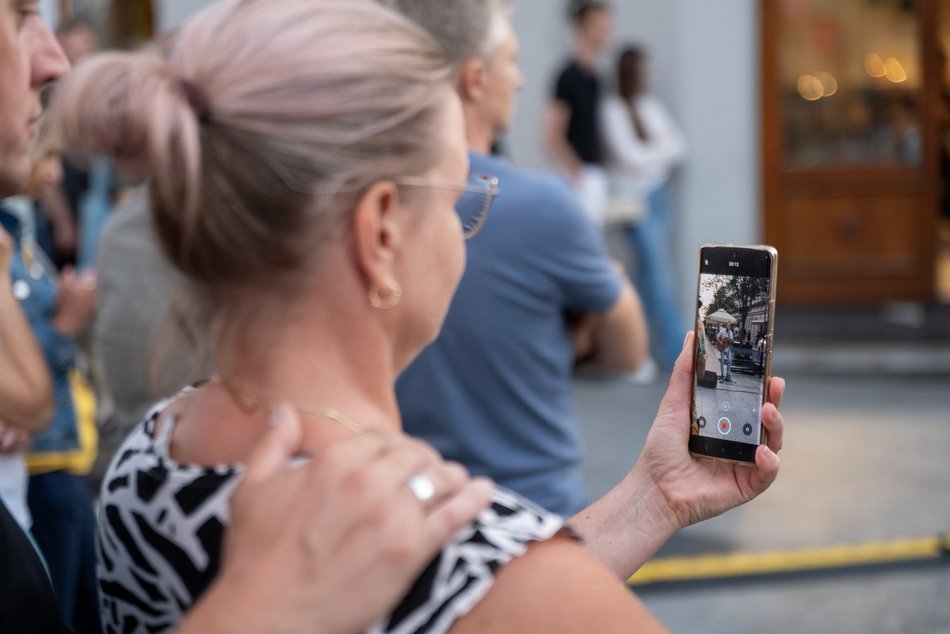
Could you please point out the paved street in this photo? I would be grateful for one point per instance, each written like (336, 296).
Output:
(730, 410)
(865, 459)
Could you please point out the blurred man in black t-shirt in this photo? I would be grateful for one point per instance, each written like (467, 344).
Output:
(572, 131)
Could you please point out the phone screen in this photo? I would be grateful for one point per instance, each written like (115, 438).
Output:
(733, 336)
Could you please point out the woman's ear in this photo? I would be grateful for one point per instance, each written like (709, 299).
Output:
(377, 234)
(471, 80)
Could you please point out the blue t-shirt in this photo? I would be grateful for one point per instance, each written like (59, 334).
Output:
(494, 391)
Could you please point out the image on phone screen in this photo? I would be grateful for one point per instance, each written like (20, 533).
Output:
(732, 343)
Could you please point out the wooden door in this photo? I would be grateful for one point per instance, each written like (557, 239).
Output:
(850, 148)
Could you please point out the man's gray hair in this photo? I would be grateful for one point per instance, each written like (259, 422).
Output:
(464, 28)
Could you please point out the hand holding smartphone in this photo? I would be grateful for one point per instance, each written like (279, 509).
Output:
(732, 350)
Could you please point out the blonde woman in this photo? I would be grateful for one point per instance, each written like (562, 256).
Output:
(306, 158)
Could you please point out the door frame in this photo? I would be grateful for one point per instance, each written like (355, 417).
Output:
(924, 179)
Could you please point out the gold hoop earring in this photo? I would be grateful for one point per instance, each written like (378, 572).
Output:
(395, 296)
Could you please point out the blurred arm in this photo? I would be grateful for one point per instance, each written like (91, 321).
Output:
(620, 341)
(556, 119)
(26, 391)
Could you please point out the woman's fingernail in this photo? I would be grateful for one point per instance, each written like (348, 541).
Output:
(686, 339)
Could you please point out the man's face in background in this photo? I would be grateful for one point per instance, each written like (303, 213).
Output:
(29, 59)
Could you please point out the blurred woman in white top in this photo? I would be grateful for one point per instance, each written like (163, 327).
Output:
(643, 147)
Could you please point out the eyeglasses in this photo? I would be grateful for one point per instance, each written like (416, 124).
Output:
(477, 198)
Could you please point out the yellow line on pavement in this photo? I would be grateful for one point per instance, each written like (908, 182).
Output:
(784, 561)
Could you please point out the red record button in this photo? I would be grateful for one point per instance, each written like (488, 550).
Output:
(725, 425)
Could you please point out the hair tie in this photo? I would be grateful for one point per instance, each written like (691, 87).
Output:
(197, 100)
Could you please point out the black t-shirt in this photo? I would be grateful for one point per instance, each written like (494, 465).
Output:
(579, 89)
(27, 603)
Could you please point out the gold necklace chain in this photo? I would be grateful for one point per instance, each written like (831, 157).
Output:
(332, 414)
(320, 412)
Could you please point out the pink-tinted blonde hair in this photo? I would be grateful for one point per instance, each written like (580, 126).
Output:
(259, 126)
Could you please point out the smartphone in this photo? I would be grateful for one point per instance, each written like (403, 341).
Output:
(732, 349)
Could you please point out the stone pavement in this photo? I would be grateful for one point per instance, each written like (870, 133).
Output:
(866, 458)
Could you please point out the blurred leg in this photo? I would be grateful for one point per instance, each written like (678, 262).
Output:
(654, 280)
(64, 529)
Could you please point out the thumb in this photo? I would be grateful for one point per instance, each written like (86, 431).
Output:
(275, 450)
(676, 398)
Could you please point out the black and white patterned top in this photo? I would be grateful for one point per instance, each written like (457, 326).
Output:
(161, 526)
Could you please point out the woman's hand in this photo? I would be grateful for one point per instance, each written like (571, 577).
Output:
(670, 488)
(333, 543)
(696, 488)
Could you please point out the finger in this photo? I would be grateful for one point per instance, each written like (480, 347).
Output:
(776, 390)
(455, 513)
(678, 391)
(767, 465)
(274, 451)
(385, 478)
(369, 471)
(88, 280)
(774, 426)
(448, 479)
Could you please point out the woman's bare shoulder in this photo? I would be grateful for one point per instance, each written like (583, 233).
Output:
(557, 586)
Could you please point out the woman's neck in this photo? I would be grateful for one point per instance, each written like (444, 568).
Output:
(320, 361)
(315, 364)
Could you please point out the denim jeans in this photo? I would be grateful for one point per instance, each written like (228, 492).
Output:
(650, 242)
(725, 363)
(64, 528)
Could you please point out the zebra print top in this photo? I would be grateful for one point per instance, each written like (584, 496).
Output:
(161, 526)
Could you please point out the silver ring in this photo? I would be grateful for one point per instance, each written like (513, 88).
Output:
(422, 487)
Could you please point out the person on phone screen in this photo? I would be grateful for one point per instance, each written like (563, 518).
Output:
(724, 340)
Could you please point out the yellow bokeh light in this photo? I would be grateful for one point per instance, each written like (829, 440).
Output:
(874, 65)
(829, 84)
(810, 88)
(895, 70)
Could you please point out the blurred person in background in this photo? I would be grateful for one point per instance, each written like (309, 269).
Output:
(25, 389)
(17, 216)
(273, 580)
(328, 248)
(572, 121)
(644, 146)
(539, 294)
(143, 349)
(73, 213)
(29, 59)
(59, 308)
(58, 217)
